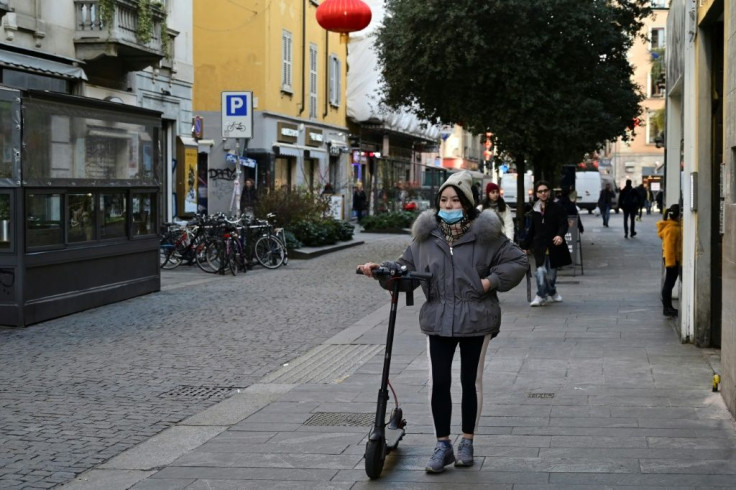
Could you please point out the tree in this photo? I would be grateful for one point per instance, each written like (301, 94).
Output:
(550, 78)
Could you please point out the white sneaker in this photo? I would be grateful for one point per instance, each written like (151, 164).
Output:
(537, 301)
(555, 299)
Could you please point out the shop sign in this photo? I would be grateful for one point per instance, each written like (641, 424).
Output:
(286, 132)
(314, 137)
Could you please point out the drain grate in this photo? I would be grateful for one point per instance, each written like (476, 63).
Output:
(199, 392)
(349, 419)
(540, 395)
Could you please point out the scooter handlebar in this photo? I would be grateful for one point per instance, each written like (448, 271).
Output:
(400, 274)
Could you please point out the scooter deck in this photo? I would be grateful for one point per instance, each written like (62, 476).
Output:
(393, 436)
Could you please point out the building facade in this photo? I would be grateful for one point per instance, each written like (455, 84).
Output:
(701, 172)
(642, 156)
(295, 72)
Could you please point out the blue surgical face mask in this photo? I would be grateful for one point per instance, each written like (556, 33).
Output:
(451, 216)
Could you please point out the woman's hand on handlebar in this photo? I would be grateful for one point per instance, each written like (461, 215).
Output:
(367, 268)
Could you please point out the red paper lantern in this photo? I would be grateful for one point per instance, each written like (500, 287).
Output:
(344, 16)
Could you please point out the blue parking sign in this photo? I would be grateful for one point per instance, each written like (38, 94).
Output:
(237, 114)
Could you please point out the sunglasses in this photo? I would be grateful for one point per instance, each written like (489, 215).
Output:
(542, 191)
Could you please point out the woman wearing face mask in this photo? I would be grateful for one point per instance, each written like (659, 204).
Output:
(470, 260)
(496, 203)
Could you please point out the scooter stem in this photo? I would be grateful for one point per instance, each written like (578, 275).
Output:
(378, 429)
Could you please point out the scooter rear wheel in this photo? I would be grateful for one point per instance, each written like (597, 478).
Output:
(375, 455)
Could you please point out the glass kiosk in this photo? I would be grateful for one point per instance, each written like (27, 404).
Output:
(79, 201)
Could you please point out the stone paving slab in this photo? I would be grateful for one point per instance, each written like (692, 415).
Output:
(594, 392)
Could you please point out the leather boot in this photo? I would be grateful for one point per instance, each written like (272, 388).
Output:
(669, 311)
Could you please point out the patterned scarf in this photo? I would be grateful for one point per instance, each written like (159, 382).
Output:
(454, 231)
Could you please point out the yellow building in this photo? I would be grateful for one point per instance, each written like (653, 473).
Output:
(295, 73)
(641, 156)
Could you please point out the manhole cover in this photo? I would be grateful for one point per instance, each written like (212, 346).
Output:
(541, 395)
(199, 392)
(349, 419)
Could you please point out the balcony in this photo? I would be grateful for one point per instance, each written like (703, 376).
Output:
(121, 40)
(4, 7)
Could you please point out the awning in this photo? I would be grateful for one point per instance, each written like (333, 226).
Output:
(297, 151)
(40, 65)
(187, 141)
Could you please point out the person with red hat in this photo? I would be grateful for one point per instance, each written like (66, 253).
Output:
(496, 203)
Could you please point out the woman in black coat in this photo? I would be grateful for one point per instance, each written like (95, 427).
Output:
(545, 238)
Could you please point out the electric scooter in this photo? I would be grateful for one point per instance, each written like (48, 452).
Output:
(383, 437)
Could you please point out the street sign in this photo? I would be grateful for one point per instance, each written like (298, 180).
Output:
(237, 114)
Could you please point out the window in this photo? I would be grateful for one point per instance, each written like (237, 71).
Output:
(25, 80)
(6, 223)
(659, 4)
(312, 81)
(6, 140)
(78, 144)
(286, 61)
(81, 219)
(143, 213)
(43, 220)
(657, 83)
(653, 128)
(335, 74)
(657, 38)
(113, 215)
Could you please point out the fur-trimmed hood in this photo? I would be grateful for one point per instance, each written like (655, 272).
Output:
(487, 226)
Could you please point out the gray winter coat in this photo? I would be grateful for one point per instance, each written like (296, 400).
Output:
(456, 305)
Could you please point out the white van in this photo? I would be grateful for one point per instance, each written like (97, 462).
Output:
(588, 188)
(508, 187)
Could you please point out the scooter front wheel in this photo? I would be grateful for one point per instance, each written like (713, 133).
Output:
(375, 455)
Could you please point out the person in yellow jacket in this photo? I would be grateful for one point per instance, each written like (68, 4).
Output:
(670, 231)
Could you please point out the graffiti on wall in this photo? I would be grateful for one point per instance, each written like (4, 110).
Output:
(228, 174)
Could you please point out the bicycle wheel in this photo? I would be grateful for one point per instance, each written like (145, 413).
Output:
(215, 253)
(281, 235)
(232, 260)
(169, 258)
(201, 257)
(269, 252)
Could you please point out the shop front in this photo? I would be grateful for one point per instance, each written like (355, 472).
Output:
(79, 204)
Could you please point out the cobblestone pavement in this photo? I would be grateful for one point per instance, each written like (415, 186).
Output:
(78, 390)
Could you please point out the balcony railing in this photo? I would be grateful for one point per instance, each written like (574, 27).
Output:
(119, 39)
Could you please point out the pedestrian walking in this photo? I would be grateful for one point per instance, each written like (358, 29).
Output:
(605, 200)
(670, 231)
(568, 204)
(496, 203)
(476, 194)
(642, 190)
(545, 239)
(628, 201)
(470, 260)
(360, 201)
(248, 198)
(648, 198)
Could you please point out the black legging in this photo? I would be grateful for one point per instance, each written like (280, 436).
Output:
(441, 350)
(670, 278)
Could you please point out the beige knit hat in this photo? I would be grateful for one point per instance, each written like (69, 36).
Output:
(463, 181)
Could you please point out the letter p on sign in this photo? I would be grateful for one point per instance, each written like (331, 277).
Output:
(236, 105)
